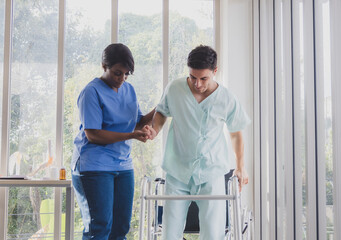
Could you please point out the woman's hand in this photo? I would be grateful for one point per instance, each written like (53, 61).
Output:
(141, 135)
(242, 176)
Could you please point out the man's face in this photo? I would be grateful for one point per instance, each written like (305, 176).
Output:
(201, 79)
(116, 75)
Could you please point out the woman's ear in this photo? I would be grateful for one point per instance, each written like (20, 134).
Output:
(104, 67)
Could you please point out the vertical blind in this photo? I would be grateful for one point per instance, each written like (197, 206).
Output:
(297, 81)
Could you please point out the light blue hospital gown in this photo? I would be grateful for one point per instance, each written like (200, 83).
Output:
(196, 154)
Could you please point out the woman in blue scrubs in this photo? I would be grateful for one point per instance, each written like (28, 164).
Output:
(102, 168)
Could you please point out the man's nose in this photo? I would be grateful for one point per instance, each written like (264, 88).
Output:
(197, 83)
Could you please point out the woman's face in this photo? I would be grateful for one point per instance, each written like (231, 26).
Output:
(116, 75)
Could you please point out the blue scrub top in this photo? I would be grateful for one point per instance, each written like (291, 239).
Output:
(100, 107)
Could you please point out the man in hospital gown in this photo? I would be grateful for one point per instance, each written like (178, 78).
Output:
(196, 154)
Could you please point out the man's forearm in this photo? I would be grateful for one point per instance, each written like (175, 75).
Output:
(238, 147)
(145, 120)
(158, 122)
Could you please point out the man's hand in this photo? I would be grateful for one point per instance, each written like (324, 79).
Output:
(242, 176)
(151, 132)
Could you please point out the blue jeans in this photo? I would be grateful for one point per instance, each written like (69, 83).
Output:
(105, 200)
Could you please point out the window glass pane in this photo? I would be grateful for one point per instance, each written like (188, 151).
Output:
(191, 24)
(31, 213)
(140, 28)
(33, 110)
(88, 31)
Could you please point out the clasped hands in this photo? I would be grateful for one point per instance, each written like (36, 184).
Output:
(146, 133)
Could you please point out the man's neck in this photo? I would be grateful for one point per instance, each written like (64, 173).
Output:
(200, 96)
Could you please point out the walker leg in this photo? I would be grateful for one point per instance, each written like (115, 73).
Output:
(142, 207)
(236, 210)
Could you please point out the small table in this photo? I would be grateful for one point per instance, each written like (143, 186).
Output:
(69, 214)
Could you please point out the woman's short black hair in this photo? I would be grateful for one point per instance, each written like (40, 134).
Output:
(202, 57)
(118, 53)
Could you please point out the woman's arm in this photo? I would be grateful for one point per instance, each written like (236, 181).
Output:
(145, 120)
(100, 136)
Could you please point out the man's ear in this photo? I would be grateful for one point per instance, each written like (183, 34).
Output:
(215, 71)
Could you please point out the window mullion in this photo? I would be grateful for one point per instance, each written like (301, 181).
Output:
(59, 116)
(114, 21)
(165, 56)
(256, 122)
(6, 114)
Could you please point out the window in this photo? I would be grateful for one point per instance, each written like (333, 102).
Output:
(88, 28)
(33, 94)
(33, 112)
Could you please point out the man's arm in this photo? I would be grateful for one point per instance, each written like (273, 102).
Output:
(157, 124)
(238, 147)
(145, 120)
(100, 136)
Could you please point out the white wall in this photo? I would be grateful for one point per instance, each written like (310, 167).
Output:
(237, 71)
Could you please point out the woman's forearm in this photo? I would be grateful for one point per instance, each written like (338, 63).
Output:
(100, 136)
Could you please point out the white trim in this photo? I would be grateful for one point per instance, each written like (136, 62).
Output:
(59, 115)
(6, 87)
(165, 58)
(335, 9)
(60, 84)
(310, 119)
(217, 36)
(256, 124)
(165, 42)
(5, 115)
(114, 21)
